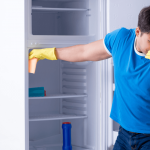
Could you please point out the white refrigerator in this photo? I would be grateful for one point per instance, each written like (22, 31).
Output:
(77, 92)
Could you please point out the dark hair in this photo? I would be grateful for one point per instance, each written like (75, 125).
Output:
(144, 20)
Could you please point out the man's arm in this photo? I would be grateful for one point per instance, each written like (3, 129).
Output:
(93, 51)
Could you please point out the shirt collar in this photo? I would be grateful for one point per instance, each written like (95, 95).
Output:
(140, 54)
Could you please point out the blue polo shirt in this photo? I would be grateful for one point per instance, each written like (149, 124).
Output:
(131, 101)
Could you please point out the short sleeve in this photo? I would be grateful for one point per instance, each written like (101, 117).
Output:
(110, 39)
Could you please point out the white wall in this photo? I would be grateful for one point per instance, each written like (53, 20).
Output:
(125, 13)
(12, 77)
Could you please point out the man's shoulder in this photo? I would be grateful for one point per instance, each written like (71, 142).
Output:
(123, 32)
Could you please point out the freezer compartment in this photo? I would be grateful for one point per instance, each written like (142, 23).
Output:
(63, 17)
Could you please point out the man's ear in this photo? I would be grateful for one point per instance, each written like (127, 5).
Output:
(137, 31)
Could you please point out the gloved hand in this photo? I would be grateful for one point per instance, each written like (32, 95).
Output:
(46, 53)
(148, 55)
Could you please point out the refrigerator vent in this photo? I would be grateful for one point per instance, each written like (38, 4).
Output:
(74, 81)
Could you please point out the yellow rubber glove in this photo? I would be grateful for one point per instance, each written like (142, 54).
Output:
(148, 55)
(46, 53)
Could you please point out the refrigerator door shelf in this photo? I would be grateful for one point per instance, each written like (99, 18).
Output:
(55, 117)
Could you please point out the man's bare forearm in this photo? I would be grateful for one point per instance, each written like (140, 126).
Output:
(73, 53)
(93, 51)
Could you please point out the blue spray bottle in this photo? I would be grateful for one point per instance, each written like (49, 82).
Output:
(66, 126)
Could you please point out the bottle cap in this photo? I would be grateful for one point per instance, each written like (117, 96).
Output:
(66, 122)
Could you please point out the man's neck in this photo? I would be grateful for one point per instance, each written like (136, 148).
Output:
(137, 47)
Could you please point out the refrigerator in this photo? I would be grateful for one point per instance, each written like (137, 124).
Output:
(76, 92)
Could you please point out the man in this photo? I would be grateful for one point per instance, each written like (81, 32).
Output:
(131, 103)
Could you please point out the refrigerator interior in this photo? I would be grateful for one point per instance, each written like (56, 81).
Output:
(71, 90)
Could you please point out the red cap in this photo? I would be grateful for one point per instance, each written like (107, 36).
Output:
(66, 122)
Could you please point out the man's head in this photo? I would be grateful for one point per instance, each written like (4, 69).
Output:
(143, 31)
